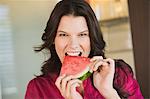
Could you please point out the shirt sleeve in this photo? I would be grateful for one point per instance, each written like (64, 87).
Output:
(125, 83)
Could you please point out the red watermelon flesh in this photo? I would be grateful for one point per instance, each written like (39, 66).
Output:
(77, 66)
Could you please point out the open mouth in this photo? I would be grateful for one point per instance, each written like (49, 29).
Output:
(73, 53)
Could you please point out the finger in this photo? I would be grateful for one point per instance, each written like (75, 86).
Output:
(110, 62)
(73, 87)
(64, 83)
(109, 65)
(97, 65)
(58, 81)
(70, 83)
(96, 58)
(105, 66)
(94, 61)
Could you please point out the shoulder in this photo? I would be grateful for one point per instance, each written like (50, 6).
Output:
(38, 86)
(33, 88)
(121, 67)
(41, 80)
(36, 81)
(123, 73)
(124, 81)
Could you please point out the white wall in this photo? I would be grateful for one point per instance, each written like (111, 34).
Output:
(28, 21)
(119, 42)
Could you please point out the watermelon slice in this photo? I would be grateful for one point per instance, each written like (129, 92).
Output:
(77, 66)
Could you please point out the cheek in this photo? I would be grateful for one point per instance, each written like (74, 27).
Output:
(88, 43)
(58, 43)
(60, 47)
(86, 46)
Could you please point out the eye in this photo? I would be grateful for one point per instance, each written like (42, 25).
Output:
(83, 34)
(62, 34)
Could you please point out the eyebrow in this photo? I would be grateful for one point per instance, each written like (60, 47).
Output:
(79, 32)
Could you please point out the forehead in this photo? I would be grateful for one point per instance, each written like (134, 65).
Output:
(73, 23)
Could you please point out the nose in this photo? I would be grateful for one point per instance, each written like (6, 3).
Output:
(74, 43)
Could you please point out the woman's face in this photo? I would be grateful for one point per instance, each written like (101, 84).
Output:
(72, 37)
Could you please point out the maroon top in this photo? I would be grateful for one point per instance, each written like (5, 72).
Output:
(43, 87)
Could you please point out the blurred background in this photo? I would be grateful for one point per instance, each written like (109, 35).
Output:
(22, 23)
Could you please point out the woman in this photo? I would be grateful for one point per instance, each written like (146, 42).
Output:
(73, 30)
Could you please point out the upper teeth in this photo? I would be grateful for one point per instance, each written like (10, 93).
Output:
(73, 53)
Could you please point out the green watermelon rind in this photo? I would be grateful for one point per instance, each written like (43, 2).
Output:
(85, 76)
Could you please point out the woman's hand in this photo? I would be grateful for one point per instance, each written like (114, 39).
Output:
(103, 75)
(67, 86)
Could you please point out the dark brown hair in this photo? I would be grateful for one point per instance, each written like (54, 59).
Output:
(75, 8)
